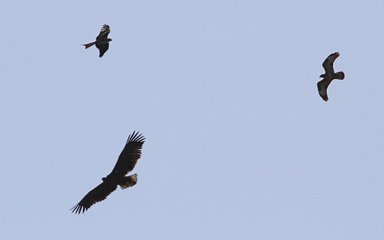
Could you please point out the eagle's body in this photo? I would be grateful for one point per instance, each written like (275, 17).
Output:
(102, 40)
(329, 75)
(126, 162)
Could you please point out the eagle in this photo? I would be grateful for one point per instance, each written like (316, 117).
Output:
(329, 75)
(125, 163)
(102, 40)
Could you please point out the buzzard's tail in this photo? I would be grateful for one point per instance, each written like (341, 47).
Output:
(129, 181)
(87, 45)
(339, 75)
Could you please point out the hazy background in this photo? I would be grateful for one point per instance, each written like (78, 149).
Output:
(239, 143)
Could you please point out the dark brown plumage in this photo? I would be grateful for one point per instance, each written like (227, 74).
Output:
(102, 40)
(126, 162)
(329, 75)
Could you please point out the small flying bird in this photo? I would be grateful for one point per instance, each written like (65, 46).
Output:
(329, 75)
(125, 163)
(102, 40)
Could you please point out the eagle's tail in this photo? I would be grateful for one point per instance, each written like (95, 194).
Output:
(339, 75)
(87, 45)
(129, 181)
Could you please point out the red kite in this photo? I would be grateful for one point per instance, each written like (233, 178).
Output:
(102, 40)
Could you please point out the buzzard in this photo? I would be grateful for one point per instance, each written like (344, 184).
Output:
(102, 40)
(329, 75)
(125, 163)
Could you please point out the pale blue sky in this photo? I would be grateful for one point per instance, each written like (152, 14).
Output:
(239, 143)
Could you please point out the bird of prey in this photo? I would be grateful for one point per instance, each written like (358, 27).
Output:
(125, 163)
(329, 75)
(102, 40)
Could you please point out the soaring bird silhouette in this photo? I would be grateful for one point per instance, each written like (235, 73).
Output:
(329, 75)
(125, 163)
(102, 40)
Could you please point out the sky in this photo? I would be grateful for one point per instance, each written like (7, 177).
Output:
(239, 144)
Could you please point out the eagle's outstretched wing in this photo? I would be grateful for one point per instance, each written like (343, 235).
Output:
(130, 154)
(328, 63)
(97, 194)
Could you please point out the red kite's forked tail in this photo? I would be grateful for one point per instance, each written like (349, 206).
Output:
(87, 45)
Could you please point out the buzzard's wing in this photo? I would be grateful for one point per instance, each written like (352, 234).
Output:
(322, 87)
(97, 194)
(130, 154)
(103, 47)
(105, 30)
(328, 63)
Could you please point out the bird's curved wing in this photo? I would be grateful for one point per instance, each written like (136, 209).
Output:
(328, 62)
(105, 30)
(97, 194)
(103, 47)
(130, 154)
(322, 87)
